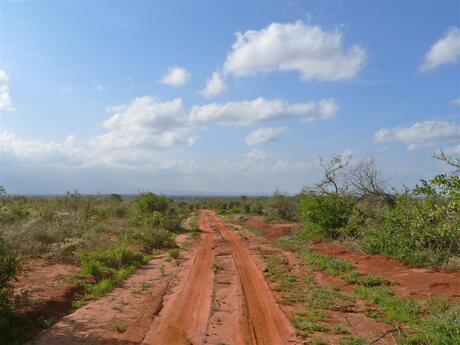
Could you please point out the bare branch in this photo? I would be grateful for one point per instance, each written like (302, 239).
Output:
(364, 180)
(332, 173)
(453, 162)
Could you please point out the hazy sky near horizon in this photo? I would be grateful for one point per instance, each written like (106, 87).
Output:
(234, 97)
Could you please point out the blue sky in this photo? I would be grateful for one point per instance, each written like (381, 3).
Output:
(87, 102)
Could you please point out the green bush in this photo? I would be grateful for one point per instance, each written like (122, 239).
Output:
(281, 206)
(98, 264)
(154, 239)
(174, 253)
(420, 232)
(328, 212)
(153, 210)
(8, 268)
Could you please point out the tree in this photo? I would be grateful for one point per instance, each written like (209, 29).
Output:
(453, 162)
(333, 172)
(365, 182)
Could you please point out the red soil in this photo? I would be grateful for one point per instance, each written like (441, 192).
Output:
(266, 324)
(271, 230)
(414, 282)
(417, 282)
(349, 314)
(184, 318)
(121, 317)
(44, 289)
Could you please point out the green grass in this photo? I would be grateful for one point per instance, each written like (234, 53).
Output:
(428, 322)
(434, 321)
(352, 341)
(314, 299)
(174, 253)
(256, 231)
(102, 271)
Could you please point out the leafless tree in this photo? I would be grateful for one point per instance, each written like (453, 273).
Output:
(88, 207)
(453, 162)
(364, 180)
(333, 172)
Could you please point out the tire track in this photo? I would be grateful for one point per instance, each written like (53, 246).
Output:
(266, 324)
(184, 318)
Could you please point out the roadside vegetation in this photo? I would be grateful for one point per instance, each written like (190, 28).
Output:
(432, 321)
(108, 237)
(419, 226)
(354, 205)
(278, 207)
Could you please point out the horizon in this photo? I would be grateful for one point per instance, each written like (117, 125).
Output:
(223, 98)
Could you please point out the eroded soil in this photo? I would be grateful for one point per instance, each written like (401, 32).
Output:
(407, 281)
(271, 230)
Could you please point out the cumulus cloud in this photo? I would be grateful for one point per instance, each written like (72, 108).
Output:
(144, 133)
(262, 110)
(6, 103)
(444, 51)
(144, 122)
(420, 134)
(176, 76)
(264, 135)
(214, 86)
(63, 153)
(455, 101)
(309, 50)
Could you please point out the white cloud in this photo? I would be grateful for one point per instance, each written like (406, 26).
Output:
(146, 132)
(176, 76)
(6, 103)
(444, 51)
(264, 135)
(455, 101)
(421, 134)
(145, 122)
(307, 49)
(60, 153)
(262, 110)
(214, 86)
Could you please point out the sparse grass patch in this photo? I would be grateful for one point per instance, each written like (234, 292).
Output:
(256, 231)
(305, 291)
(174, 253)
(352, 341)
(428, 322)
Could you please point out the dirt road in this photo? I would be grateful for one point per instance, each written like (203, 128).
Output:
(214, 294)
(187, 317)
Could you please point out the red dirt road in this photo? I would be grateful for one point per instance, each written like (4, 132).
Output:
(267, 324)
(214, 294)
(184, 318)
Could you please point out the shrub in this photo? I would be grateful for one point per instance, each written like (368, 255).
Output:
(153, 210)
(174, 253)
(419, 232)
(329, 212)
(98, 264)
(8, 268)
(154, 239)
(281, 206)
